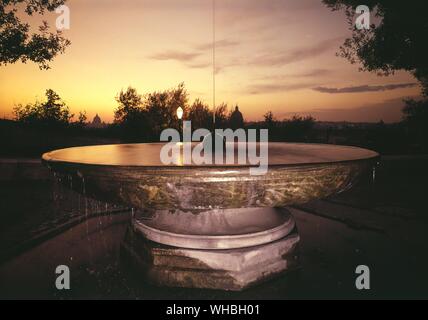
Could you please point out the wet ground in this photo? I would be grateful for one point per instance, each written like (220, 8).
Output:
(381, 225)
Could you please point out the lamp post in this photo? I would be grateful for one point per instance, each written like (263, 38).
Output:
(180, 113)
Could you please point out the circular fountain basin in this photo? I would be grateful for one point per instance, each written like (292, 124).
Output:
(211, 226)
(133, 174)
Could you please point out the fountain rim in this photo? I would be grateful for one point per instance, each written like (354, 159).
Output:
(48, 160)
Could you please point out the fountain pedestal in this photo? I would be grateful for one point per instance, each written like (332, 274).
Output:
(228, 249)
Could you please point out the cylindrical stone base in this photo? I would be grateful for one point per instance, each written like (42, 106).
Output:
(215, 229)
(219, 249)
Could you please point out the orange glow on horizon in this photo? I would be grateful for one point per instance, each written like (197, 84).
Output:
(268, 59)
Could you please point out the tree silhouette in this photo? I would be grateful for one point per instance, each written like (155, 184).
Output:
(269, 120)
(396, 42)
(221, 116)
(52, 113)
(144, 117)
(415, 117)
(162, 107)
(16, 40)
(131, 117)
(82, 118)
(130, 104)
(200, 115)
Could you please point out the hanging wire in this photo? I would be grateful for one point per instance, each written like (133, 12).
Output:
(214, 66)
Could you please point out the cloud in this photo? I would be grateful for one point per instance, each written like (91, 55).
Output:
(295, 55)
(276, 87)
(365, 88)
(190, 58)
(305, 74)
(271, 59)
(200, 65)
(275, 59)
(268, 59)
(176, 55)
(224, 43)
(312, 73)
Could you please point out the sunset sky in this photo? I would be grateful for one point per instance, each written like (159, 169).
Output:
(276, 55)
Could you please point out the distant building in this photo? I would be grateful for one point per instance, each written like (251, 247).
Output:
(96, 122)
(236, 120)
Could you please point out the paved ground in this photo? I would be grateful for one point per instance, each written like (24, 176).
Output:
(382, 226)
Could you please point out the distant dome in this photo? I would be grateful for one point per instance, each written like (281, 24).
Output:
(236, 120)
(97, 119)
(96, 122)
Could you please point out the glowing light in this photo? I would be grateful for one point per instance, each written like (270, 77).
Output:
(180, 113)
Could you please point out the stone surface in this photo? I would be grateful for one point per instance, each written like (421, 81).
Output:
(215, 229)
(212, 243)
(232, 269)
(133, 175)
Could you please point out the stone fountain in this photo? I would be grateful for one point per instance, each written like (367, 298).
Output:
(211, 226)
